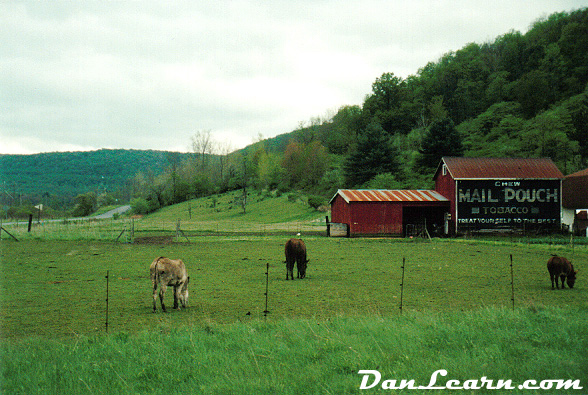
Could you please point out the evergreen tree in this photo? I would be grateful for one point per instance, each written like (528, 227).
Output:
(374, 155)
(441, 139)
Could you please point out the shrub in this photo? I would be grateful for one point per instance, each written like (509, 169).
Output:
(140, 206)
(315, 201)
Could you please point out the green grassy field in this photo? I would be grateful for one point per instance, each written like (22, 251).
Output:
(309, 356)
(58, 288)
(457, 309)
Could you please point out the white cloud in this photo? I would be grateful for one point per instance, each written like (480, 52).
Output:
(148, 75)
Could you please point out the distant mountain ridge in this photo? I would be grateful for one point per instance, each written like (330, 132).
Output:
(67, 174)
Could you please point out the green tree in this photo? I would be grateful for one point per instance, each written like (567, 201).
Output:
(86, 204)
(374, 155)
(441, 139)
(546, 136)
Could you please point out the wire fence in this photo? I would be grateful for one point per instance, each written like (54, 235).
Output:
(131, 229)
(127, 230)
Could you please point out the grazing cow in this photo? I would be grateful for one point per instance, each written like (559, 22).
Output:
(169, 272)
(560, 267)
(295, 252)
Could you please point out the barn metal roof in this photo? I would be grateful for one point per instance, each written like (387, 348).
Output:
(581, 173)
(388, 195)
(496, 168)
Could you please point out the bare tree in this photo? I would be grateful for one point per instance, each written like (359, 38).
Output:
(202, 144)
(223, 150)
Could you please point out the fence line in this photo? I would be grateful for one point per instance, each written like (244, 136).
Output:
(127, 229)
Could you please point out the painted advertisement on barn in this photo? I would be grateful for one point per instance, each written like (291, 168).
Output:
(494, 204)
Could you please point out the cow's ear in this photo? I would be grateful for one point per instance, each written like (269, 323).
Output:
(308, 260)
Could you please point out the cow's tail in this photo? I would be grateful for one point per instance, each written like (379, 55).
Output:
(155, 276)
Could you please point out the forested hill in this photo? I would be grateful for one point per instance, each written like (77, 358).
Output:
(66, 174)
(521, 95)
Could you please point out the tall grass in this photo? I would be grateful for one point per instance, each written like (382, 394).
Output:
(306, 356)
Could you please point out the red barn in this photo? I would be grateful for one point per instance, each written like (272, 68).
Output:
(575, 201)
(501, 193)
(388, 212)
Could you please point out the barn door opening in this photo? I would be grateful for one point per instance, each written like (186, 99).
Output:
(418, 221)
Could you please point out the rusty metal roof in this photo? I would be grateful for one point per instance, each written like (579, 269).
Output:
(496, 168)
(581, 173)
(388, 195)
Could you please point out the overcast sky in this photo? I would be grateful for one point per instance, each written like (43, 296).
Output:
(84, 75)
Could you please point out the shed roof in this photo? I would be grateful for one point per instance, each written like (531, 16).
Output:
(581, 173)
(389, 195)
(496, 168)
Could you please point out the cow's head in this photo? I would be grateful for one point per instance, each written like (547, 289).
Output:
(302, 269)
(184, 293)
(571, 278)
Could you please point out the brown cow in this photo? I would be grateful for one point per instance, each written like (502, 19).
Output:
(295, 252)
(169, 272)
(560, 267)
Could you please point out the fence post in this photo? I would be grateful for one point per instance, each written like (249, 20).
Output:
(512, 283)
(132, 240)
(266, 311)
(107, 276)
(402, 284)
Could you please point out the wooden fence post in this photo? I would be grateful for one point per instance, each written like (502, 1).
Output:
(266, 311)
(512, 283)
(107, 277)
(402, 285)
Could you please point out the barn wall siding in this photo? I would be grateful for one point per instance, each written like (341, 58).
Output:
(340, 211)
(376, 218)
(445, 185)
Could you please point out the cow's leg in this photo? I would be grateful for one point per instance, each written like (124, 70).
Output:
(162, 290)
(563, 281)
(154, 297)
(176, 296)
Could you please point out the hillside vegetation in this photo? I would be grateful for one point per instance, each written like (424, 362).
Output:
(520, 95)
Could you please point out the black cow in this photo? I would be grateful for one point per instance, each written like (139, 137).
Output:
(295, 252)
(560, 267)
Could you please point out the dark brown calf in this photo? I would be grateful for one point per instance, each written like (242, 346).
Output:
(561, 268)
(295, 252)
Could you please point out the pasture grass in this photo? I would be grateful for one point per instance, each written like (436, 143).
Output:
(308, 355)
(58, 288)
(457, 310)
